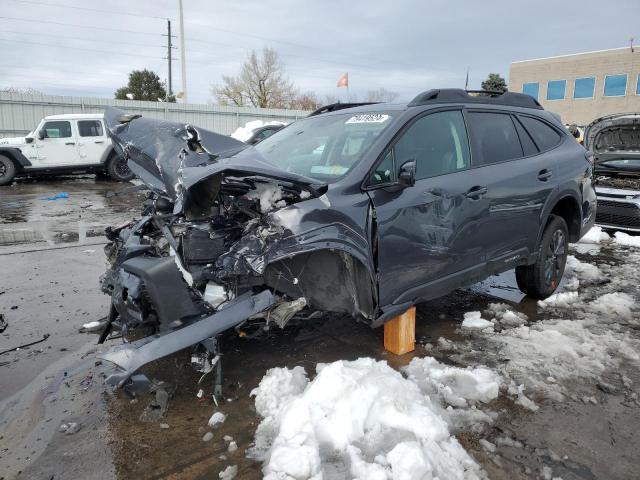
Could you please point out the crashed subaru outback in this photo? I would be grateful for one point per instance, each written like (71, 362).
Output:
(366, 211)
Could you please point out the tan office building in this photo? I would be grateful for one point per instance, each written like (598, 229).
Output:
(583, 86)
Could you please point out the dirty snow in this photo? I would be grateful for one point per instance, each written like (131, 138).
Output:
(474, 321)
(627, 240)
(244, 133)
(595, 236)
(363, 420)
(585, 272)
(228, 473)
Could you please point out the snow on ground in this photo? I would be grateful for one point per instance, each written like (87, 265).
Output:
(363, 420)
(474, 321)
(627, 240)
(595, 235)
(244, 133)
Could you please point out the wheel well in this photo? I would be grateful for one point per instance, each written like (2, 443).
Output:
(329, 280)
(10, 156)
(568, 209)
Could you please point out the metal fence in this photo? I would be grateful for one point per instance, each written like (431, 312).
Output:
(20, 113)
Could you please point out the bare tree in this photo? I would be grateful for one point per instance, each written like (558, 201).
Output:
(331, 99)
(381, 95)
(23, 90)
(260, 83)
(306, 101)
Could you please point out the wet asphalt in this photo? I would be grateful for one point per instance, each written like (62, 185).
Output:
(51, 259)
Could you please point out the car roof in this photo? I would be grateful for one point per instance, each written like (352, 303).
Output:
(75, 116)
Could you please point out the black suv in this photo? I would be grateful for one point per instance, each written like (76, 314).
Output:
(365, 210)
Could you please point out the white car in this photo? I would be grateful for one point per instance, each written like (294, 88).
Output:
(71, 143)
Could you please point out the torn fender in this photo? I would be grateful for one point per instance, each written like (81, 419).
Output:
(132, 356)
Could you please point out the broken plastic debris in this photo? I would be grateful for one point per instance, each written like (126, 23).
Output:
(57, 196)
(216, 419)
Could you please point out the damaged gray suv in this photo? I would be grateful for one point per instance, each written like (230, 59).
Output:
(365, 210)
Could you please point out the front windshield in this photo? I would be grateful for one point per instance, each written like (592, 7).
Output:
(325, 147)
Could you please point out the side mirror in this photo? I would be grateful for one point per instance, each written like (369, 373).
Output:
(407, 173)
(42, 134)
(28, 139)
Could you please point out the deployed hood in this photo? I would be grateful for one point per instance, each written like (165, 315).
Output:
(613, 134)
(171, 157)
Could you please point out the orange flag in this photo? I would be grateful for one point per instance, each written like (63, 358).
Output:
(344, 80)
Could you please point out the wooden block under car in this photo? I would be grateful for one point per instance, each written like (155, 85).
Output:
(400, 333)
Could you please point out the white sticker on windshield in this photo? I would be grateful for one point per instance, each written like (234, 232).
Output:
(368, 118)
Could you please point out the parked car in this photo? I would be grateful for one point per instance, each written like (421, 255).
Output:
(615, 142)
(71, 143)
(263, 132)
(364, 211)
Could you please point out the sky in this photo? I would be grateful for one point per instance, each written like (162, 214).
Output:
(88, 47)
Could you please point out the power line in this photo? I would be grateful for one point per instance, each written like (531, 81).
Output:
(84, 39)
(120, 30)
(77, 48)
(74, 7)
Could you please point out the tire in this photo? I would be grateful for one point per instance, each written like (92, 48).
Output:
(542, 278)
(7, 170)
(118, 170)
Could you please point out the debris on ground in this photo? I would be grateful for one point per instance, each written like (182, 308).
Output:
(207, 437)
(3, 323)
(70, 428)
(216, 419)
(229, 473)
(57, 196)
(158, 405)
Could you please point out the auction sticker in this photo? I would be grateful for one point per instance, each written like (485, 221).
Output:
(368, 118)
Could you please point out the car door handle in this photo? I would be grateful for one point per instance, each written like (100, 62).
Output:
(544, 175)
(99, 141)
(69, 143)
(476, 192)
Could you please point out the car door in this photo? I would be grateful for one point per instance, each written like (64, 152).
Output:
(426, 233)
(92, 141)
(57, 147)
(518, 178)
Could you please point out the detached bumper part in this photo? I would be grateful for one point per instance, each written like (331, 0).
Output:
(132, 356)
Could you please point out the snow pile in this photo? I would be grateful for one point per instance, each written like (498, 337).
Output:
(582, 270)
(505, 316)
(474, 321)
(360, 420)
(621, 238)
(595, 236)
(614, 305)
(458, 387)
(562, 350)
(560, 300)
(244, 133)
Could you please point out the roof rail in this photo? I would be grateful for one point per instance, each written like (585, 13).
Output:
(338, 106)
(458, 95)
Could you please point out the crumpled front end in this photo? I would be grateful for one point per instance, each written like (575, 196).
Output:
(223, 239)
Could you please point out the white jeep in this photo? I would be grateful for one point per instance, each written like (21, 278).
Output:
(71, 143)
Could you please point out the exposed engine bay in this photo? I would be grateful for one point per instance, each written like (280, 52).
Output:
(211, 250)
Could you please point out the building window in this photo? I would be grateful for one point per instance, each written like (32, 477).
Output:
(615, 85)
(584, 87)
(555, 89)
(531, 89)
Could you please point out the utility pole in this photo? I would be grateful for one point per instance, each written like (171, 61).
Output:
(169, 91)
(169, 59)
(183, 59)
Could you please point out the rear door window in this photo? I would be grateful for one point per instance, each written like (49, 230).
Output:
(495, 137)
(545, 136)
(90, 128)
